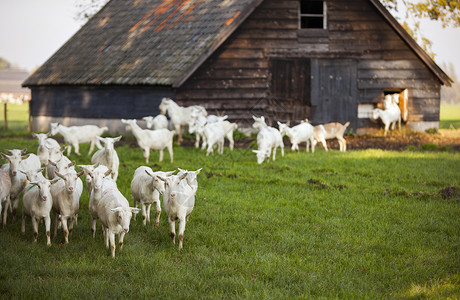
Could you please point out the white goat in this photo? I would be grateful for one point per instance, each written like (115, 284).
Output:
(299, 134)
(266, 143)
(146, 188)
(330, 131)
(389, 117)
(190, 177)
(178, 201)
(66, 201)
(115, 215)
(197, 118)
(157, 122)
(37, 203)
(213, 135)
(275, 142)
(99, 182)
(107, 156)
(45, 146)
(17, 163)
(5, 188)
(62, 166)
(180, 116)
(156, 140)
(74, 135)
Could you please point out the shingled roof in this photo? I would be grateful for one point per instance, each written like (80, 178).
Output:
(158, 42)
(152, 42)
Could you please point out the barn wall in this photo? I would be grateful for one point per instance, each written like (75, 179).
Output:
(101, 105)
(237, 78)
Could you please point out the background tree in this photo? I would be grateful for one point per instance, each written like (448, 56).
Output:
(4, 64)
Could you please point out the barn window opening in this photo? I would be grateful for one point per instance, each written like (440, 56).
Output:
(313, 14)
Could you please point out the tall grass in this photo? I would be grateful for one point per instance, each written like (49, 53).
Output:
(361, 224)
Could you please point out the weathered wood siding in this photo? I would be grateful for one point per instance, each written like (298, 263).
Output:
(238, 77)
(107, 102)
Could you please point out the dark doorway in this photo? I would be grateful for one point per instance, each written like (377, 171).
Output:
(334, 91)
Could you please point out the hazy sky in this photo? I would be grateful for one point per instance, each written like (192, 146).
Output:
(32, 30)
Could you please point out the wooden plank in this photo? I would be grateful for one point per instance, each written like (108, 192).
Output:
(400, 84)
(394, 74)
(390, 65)
(229, 83)
(236, 63)
(214, 74)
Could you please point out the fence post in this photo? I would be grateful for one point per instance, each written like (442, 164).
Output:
(5, 122)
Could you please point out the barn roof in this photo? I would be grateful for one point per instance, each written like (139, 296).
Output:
(158, 42)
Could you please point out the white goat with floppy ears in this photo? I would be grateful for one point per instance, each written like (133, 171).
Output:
(17, 163)
(148, 140)
(108, 156)
(146, 188)
(180, 116)
(299, 134)
(179, 201)
(74, 135)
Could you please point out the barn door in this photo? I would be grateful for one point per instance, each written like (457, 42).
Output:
(334, 91)
(290, 83)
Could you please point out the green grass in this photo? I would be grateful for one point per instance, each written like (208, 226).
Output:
(450, 114)
(17, 116)
(363, 224)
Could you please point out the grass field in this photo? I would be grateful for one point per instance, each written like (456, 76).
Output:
(450, 114)
(363, 224)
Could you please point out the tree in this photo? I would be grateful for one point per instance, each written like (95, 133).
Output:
(445, 11)
(4, 64)
(450, 95)
(88, 8)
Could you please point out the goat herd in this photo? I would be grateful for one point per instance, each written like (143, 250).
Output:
(60, 189)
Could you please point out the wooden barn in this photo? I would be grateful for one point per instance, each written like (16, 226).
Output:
(330, 60)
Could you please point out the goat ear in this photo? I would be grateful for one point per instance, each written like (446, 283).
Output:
(198, 171)
(117, 209)
(58, 174)
(34, 134)
(5, 156)
(25, 157)
(117, 138)
(135, 210)
(279, 124)
(256, 151)
(151, 175)
(71, 164)
(161, 178)
(54, 180)
(170, 173)
(81, 173)
(288, 123)
(255, 118)
(181, 170)
(100, 138)
(107, 173)
(183, 176)
(51, 163)
(23, 150)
